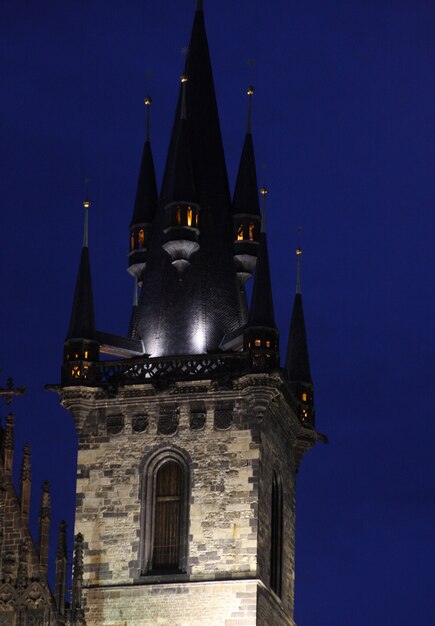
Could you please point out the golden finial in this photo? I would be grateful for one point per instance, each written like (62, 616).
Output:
(147, 102)
(86, 205)
(298, 255)
(250, 92)
(263, 192)
(183, 96)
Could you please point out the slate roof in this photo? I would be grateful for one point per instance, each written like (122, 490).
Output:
(297, 360)
(82, 324)
(261, 311)
(146, 193)
(245, 199)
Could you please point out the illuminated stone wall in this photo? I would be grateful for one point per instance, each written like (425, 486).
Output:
(227, 576)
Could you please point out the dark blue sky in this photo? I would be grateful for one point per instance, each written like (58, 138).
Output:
(343, 131)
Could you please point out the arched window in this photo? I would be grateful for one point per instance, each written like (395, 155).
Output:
(189, 216)
(165, 503)
(276, 526)
(251, 231)
(240, 232)
(141, 238)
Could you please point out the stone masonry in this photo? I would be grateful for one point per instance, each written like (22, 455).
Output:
(233, 438)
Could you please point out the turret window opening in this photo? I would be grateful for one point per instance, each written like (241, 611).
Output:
(165, 514)
(132, 241)
(240, 232)
(86, 354)
(251, 231)
(178, 216)
(276, 535)
(258, 343)
(189, 216)
(141, 238)
(267, 344)
(304, 397)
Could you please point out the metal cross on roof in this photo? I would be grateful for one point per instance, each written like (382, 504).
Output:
(10, 391)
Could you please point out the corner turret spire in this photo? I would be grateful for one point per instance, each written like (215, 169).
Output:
(261, 313)
(82, 324)
(261, 335)
(81, 346)
(297, 359)
(144, 207)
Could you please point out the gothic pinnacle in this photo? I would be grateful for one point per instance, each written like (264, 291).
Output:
(147, 102)
(250, 92)
(263, 193)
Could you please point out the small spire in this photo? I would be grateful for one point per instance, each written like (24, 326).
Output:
(183, 96)
(250, 91)
(147, 102)
(86, 205)
(199, 6)
(263, 192)
(298, 255)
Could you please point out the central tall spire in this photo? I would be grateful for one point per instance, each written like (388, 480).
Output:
(189, 308)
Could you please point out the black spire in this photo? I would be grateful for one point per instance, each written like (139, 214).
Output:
(146, 193)
(245, 200)
(297, 360)
(261, 312)
(82, 324)
(190, 310)
(180, 184)
(261, 335)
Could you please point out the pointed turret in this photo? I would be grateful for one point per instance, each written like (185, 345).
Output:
(144, 207)
(261, 335)
(246, 211)
(81, 347)
(181, 208)
(297, 360)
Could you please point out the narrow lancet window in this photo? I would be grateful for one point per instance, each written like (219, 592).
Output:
(251, 231)
(240, 232)
(141, 238)
(189, 216)
(167, 522)
(276, 538)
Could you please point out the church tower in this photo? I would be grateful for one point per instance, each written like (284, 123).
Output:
(190, 440)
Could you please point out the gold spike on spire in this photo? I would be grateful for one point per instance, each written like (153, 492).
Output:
(263, 192)
(183, 96)
(147, 102)
(299, 255)
(86, 205)
(250, 91)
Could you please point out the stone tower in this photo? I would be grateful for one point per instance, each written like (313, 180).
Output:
(190, 441)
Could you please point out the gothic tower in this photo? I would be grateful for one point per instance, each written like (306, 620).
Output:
(190, 441)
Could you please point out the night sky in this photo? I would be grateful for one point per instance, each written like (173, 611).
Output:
(344, 140)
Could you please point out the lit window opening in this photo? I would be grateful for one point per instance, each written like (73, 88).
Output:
(304, 397)
(251, 231)
(240, 232)
(141, 238)
(258, 343)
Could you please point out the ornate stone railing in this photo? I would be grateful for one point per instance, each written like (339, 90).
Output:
(193, 367)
